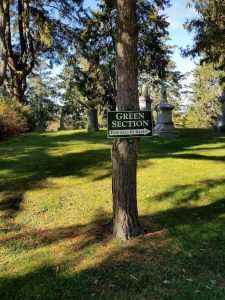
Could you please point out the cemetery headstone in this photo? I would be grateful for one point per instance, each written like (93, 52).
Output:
(164, 126)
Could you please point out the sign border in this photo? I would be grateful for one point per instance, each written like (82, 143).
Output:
(131, 136)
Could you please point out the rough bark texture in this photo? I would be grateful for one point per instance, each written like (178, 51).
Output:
(124, 151)
(19, 64)
(61, 123)
(3, 50)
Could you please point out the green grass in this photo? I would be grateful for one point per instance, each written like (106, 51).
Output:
(55, 210)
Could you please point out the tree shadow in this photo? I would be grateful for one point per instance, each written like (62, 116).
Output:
(183, 251)
(184, 194)
(199, 157)
(180, 255)
(28, 162)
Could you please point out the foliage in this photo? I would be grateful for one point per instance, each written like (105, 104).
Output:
(72, 104)
(209, 30)
(41, 97)
(174, 94)
(55, 194)
(35, 29)
(204, 107)
(12, 118)
(94, 58)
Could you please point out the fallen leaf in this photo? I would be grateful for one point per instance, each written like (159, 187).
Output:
(166, 282)
(189, 279)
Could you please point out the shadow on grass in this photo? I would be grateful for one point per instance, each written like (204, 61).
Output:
(28, 162)
(184, 194)
(181, 257)
(29, 172)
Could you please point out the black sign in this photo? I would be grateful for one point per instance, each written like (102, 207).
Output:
(127, 124)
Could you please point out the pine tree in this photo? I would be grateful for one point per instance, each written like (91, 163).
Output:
(124, 152)
(204, 107)
(96, 44)
(209, 30)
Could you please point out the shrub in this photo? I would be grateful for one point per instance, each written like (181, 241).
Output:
(12, 119)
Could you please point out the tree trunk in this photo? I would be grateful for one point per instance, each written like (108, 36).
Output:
(3, 48)
(124, 151)
(16, 87)
(61, 123)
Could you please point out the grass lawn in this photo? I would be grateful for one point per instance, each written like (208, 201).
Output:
(55, 210)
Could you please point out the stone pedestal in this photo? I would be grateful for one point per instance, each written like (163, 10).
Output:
(164, 126)
(221, 118)
(92, 118)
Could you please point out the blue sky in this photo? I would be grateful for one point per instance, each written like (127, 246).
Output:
(177, 15)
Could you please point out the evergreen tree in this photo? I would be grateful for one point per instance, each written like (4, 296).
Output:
(41, 96)
(204, 107)
(209, 30)
(95, 43)
(124, 152)
(72, 104)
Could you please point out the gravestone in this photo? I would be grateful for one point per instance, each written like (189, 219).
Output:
(164, 126)
(145, 101)
(221, 118)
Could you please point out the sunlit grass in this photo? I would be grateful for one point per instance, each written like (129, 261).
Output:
(56, 206)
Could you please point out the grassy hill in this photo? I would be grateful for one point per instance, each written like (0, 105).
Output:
(55, 210)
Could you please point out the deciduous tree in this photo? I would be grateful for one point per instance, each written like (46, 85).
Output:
(34, 29)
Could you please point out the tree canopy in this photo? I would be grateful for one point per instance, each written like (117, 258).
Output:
(209, 29)
(30, 30)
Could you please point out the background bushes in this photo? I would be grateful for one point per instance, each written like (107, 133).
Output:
(14, 118)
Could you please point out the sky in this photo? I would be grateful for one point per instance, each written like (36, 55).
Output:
(177, 15)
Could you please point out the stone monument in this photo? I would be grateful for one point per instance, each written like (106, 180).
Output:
(221, 118)
(164, 126)
(145, 101)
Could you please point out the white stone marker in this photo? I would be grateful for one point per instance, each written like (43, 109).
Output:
(164, 126)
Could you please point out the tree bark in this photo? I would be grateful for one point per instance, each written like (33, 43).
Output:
(61, 123)
(19, 64)
(3, 48)
(124, 151)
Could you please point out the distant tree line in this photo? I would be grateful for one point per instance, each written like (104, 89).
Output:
(37, 36)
